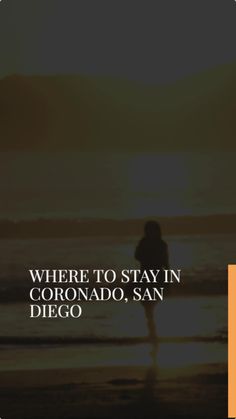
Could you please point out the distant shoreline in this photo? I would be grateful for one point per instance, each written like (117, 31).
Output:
(72, 228)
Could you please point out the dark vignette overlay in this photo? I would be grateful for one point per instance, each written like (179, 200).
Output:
(117, 151)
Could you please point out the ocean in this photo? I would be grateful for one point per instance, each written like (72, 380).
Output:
(191, 322)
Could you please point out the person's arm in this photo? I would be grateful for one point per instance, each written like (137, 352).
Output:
(138, 251)
(166, 257)
(166, 266)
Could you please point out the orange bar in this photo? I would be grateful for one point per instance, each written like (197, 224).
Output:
(232, 341)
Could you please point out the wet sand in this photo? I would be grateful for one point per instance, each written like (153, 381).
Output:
(115, 392)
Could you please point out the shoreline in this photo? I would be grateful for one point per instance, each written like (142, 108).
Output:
(14, 378)
(113, 341)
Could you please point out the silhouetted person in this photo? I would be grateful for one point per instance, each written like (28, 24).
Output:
(152, 253)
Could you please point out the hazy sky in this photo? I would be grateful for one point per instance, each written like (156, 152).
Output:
(158, 40)
(55, 185)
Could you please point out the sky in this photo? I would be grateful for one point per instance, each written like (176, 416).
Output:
(152, 40)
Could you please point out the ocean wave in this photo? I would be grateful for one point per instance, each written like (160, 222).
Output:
(193, 284)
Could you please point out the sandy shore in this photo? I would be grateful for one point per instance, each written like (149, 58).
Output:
(114, 392)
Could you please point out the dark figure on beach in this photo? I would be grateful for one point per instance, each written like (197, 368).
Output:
(152, 253)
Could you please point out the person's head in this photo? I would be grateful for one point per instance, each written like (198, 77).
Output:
(152, 230)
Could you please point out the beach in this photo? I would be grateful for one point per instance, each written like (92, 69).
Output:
(99, 366)
(103, 392)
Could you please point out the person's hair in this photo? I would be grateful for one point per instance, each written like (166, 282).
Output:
(152, 230)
